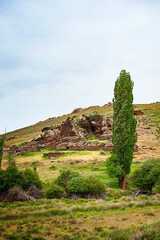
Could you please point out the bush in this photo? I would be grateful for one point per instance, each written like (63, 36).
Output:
(2, 182)
(65, 177)
(95, 117)
(31, 178)
(157, 187)
(55, 191)
(147, 176)
(12, 177)
(84, 186)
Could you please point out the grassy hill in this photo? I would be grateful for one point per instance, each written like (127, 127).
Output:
(151, 116)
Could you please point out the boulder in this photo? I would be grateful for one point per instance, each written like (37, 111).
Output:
(138, 112)
(70, 128)
(46, 129)
(94, 146)
(106, 136)
(108, 146)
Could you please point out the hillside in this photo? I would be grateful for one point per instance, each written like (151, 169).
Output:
(151, 117)
(148, 127)
(118, 216)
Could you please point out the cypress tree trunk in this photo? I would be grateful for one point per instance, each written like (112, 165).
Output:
(123, 183)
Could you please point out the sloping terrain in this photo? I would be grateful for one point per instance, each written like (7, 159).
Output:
(148, 127)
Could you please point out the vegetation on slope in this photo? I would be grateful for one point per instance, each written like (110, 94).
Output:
(151, 116)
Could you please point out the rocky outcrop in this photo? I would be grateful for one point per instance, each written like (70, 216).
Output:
(70, 128)
(71, 134)
(85, 124)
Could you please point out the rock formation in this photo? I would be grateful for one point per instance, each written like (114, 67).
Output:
(72, 134)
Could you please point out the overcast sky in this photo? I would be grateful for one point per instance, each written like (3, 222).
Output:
(57, 55)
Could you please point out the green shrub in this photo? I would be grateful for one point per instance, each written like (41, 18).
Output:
(147, 176)
(2, 182)
(86, 185)
(31, 178)
(55, 191)
(2, 140)
(12, 177)
(65, 177)
(21, 144)
(157, 187)
(95, 117)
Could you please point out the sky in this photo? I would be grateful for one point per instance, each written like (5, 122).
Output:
(58, 55)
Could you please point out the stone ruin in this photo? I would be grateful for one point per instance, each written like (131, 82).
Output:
(72, 135)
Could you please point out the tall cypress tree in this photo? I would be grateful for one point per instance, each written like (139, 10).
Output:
(124, 129)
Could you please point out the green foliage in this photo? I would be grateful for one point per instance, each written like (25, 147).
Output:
(31, 178)
(11, 177)
(11, 160)
(94, 117)
(65, 177)
(124, 126)
(29, 154)
(86, 185)
(55, 191)
(114, 168)
(2, 181)
(21, 144)
(91, 138)
(147, 176)
(1, 149)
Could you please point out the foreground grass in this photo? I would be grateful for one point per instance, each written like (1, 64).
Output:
(118, 216)
(80, 219)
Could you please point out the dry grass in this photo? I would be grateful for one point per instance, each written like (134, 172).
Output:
(53, 219)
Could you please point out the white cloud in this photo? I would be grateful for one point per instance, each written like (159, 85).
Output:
(58, 55)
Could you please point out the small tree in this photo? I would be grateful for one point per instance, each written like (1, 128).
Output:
(147, 176)
(124, 129)
(1, 149)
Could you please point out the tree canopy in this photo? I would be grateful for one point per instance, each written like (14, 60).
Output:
(124, 129)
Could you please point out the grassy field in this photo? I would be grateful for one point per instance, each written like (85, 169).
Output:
(117, 216)
(80, 219)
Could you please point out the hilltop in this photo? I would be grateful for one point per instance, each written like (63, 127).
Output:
(148, 127)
